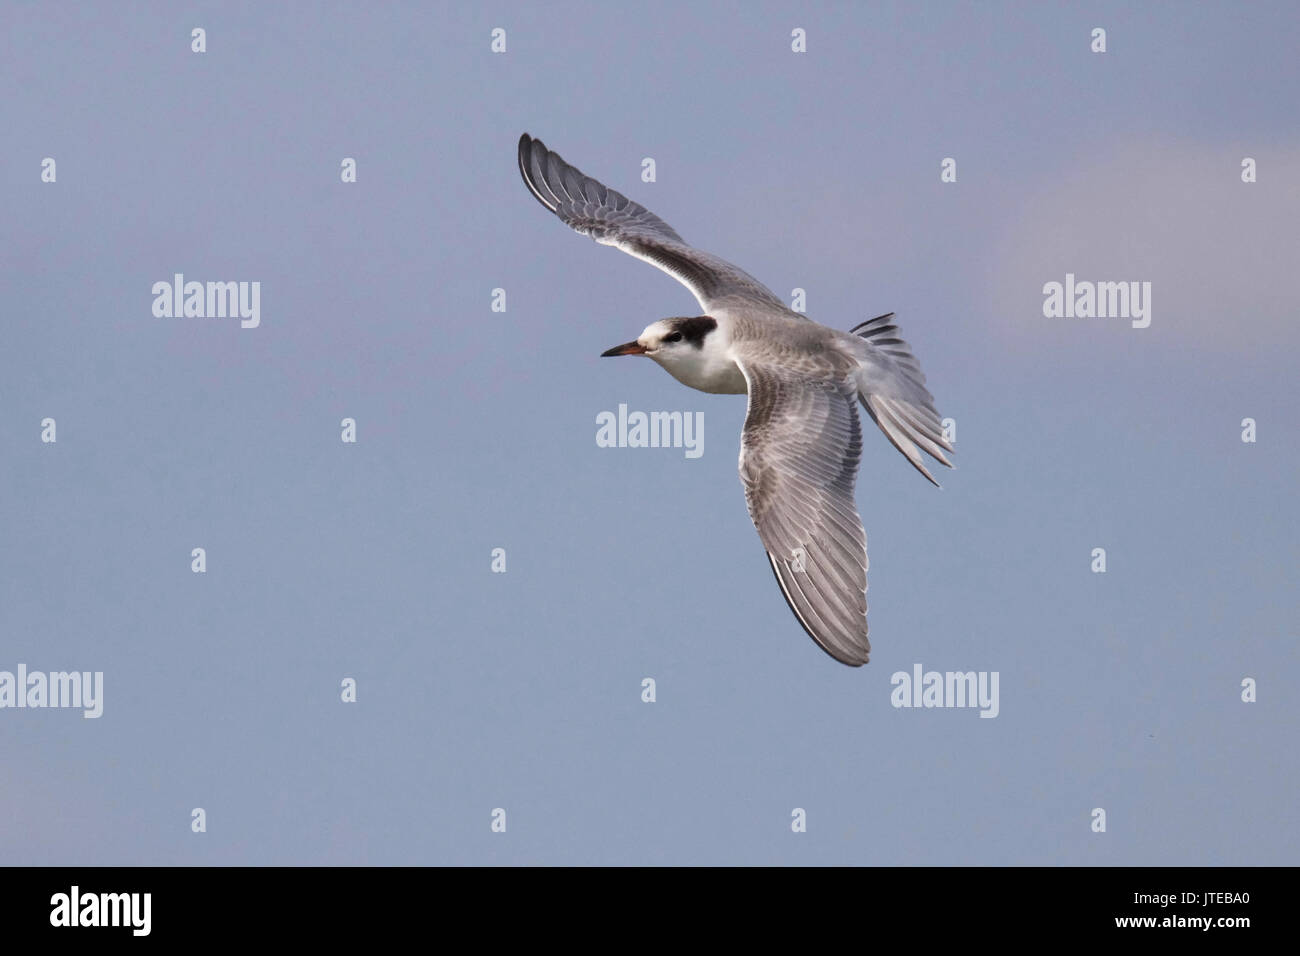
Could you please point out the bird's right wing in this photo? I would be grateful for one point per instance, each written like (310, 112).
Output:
(799, 456)
(609, 217)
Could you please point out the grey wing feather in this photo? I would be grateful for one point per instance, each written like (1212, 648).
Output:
(609, 217)
(799, 457)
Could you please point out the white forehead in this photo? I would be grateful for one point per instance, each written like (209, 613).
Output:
(657, 330)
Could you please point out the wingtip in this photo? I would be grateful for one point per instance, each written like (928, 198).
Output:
(846, 661)
(529, 148)
(947, 464)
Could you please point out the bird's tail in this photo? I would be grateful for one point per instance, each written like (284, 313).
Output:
(892, 389)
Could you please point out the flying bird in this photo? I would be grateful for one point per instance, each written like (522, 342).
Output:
(801, 442)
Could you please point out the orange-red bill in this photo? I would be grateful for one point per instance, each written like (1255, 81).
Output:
(628, 348)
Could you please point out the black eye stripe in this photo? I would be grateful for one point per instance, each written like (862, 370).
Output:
(693, 330)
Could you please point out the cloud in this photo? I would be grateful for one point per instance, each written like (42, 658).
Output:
(1221, 254)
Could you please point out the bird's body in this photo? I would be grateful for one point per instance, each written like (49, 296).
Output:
(801, 441)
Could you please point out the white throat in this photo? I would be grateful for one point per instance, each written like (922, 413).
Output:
(709, 368)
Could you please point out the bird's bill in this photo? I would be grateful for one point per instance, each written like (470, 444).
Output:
(628, 348)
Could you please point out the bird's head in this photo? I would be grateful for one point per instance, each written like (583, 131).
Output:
(670, 342)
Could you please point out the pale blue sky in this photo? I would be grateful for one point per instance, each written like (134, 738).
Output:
(477, 430)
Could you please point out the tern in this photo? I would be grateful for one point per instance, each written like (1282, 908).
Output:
(801, 442)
